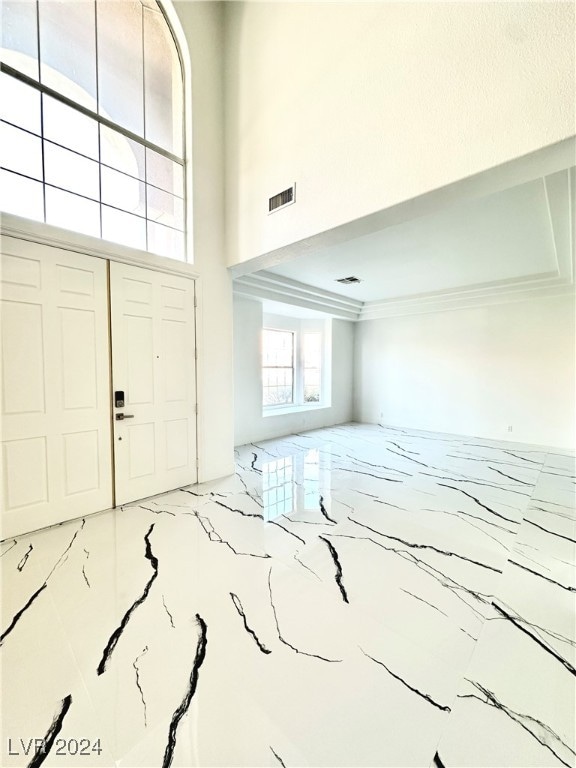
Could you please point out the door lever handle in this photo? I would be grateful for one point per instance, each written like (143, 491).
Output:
(122, 416)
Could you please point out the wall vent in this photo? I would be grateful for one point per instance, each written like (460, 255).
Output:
(282, 199)
(348, 280)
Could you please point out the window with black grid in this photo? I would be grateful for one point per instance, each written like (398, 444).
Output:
(91, 120)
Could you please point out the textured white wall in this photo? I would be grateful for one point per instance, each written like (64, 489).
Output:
(202, 23)
(473, 371)
(367, 105)
(250, 425)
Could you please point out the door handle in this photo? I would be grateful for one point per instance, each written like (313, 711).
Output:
(122, 416)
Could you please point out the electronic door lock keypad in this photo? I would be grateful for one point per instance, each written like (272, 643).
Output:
(119, 399)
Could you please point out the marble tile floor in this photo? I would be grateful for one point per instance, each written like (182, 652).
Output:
(352, 596)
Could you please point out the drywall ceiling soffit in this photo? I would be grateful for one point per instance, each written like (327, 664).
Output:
(536, 165)
(529, 229)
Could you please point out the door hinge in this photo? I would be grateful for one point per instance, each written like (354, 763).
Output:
(196, 409)
(195, 353)
(195, 302)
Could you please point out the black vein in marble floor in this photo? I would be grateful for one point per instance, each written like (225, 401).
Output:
(16, 618)
(531, 559)
(488, 509)
(377, 500)
(554, 512)
(522, 458)
(421, 599)
(168, 613)
(215, 537)
(541, 576)
(302, 522)
(240, 610)
(53, 731)
(282, 639)
(415, 453)
(553, 504)
(264, 450)
(408, 458)
(84, 569)
(24, 559)
(468, 457)
(518, 624)
(453, 479)
(412, 545)
(461, 513)
(254, 460)
(187, 700)
(523, 482)
(255, 498)
(424, 696)
(552, 533)
(295, 535)
(12, 545)
(369, 474)
(113, 641)
(138, 685)
(239, 511)
(438, 762)
(338, 566)
(524, 721)
(378, 466)
(64, 556)
(157, 511)
(324, 512)
(295, 556)
(282, 763)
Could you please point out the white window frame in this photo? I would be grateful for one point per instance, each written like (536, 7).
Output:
(300, 326)
(176, 31)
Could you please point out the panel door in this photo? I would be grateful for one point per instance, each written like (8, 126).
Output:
(56, 441)
(153, 364)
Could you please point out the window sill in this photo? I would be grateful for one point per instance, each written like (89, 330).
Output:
(282, 410)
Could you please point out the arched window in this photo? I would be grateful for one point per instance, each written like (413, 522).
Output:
(92, 127)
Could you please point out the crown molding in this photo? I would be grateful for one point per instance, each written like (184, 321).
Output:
(266, 285)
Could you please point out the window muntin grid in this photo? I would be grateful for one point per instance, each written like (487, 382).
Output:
(67, 104)
(277, 367)
(292, 364)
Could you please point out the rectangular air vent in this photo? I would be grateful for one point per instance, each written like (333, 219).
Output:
(282, 199)
(348, 280)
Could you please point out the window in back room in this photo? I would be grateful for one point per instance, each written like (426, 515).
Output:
(295, 373)
(92, 120)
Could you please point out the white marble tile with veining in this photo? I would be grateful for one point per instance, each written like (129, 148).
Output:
(352, 596)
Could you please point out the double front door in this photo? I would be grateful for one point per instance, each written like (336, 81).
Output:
(98, 384)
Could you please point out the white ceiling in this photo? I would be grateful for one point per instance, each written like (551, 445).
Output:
(501, 237)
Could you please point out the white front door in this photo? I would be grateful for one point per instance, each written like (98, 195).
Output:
(56, 444)
(153, 365)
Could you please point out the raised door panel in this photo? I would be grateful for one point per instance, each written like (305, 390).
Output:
(153, 363)
(56, 451)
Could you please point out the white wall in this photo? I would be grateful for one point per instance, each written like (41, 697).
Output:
(473, 371)
(250, 425)
(367, 105)
(202, 23)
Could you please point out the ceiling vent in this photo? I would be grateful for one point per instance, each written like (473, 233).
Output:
(348, 280)
(282, 199)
